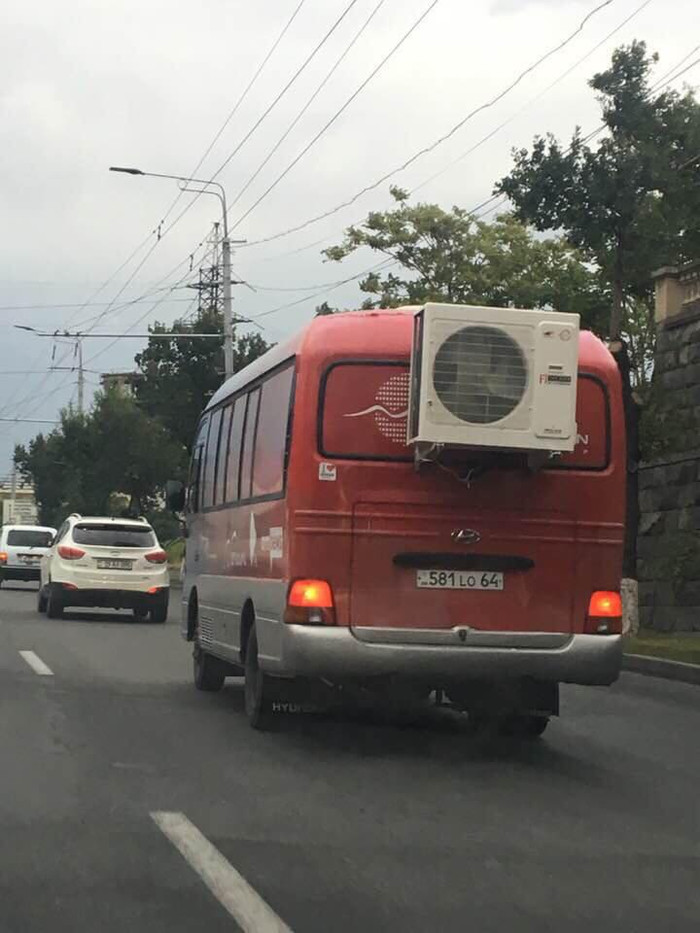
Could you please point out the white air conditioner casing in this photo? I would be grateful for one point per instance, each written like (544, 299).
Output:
(493, 378)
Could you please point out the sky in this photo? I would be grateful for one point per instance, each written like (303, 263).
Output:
(86, 84)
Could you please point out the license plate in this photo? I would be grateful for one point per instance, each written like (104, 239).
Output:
(458, 580)
(30, 558)
(113, 564)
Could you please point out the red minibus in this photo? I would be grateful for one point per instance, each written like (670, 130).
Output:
(317, 551)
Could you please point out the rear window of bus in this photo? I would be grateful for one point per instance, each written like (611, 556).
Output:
(364, 410)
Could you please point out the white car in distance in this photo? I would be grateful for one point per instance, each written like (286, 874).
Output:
(112, 563)
(21, 550)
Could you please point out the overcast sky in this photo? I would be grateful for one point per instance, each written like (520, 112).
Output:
(85, 84)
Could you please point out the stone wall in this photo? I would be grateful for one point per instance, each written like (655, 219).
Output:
(669, 485)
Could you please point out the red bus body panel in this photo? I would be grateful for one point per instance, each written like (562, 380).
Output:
(568, 521)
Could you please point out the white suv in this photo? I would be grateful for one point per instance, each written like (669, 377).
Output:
(112, 562)
(21, 550)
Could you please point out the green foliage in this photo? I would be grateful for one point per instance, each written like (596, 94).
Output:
(324, 309)
(631, 204)
(180, 376)
(450, 256)
(85, 463)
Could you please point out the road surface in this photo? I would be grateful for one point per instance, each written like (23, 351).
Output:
(112, 766)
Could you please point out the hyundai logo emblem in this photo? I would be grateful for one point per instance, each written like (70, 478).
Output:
(466, 536)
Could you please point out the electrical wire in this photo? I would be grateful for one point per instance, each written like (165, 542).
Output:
(431, 6)
(442, 139)
(307, 61)
(236, 106)
(484, 139)
(309, 102)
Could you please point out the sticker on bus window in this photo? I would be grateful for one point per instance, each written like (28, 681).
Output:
(327, 472)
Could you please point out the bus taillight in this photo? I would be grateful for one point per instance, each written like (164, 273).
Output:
(604, 613)
(310, 602)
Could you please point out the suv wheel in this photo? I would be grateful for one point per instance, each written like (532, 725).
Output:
(41, 601)
(159, 610)
(54, 606)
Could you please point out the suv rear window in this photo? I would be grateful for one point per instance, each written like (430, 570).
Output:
(28, 538)
(113, 535)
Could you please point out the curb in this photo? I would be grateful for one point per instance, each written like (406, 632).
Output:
(660, 667)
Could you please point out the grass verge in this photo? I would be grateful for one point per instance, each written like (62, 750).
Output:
(679, 646)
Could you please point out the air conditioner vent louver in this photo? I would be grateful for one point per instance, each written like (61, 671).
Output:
(480, 374)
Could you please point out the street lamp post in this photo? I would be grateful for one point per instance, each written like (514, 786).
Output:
(225, 248)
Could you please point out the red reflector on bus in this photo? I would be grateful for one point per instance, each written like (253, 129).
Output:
(310, 602)
(604, 613)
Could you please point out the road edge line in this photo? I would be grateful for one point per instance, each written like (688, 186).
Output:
(662, 668)
(227, 885)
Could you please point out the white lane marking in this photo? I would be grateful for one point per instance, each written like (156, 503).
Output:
(36, 664)
(229, 887)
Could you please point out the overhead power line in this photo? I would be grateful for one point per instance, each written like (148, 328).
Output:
(309, 102)
(234, 110)
(338, 113)
(297, 74)
(442, 139)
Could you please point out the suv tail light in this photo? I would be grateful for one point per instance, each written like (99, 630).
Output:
(604, 613)
(156, 557)
(67, 552)
(310, 602)
(3, 557)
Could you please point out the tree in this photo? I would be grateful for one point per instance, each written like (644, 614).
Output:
(179, 376)
(324, 309)
(452, 257)
(630, 206)
(633, 203)
(82, 464)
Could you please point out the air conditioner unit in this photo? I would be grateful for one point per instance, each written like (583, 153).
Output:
(493, 378)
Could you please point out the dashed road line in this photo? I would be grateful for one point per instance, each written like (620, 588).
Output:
(36, 664)
(227, 885)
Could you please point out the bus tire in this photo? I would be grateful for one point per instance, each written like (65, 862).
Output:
(258, 704)
(524, 726)
(208, 671)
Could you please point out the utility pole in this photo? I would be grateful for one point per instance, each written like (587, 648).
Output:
(13, 493)
(81, 376)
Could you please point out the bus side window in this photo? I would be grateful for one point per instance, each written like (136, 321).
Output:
(235, 442)
(194, 503)
(271, 439)
(209, 470)
(220, 482)
(251, 421)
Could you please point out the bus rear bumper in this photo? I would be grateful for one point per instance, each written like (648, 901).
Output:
(337, 654)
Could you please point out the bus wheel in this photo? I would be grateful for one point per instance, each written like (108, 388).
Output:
(524, 726)
(258, 705)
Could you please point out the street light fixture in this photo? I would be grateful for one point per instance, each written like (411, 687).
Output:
(225, 245)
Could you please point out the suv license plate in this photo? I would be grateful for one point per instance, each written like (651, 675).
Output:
(106, 564)
(458, 580)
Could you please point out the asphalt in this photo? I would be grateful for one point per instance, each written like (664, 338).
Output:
(339, 822)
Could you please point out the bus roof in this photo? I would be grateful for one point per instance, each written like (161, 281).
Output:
(348, 334)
